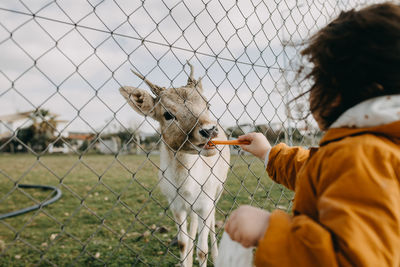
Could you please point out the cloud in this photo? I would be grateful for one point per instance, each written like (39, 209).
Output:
(76, 71)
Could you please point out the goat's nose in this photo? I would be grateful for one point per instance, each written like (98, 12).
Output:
(211, 132)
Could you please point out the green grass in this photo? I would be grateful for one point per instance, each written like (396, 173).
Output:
(111, 211)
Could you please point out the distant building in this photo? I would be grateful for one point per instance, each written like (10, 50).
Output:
(9, 123)
(109, 146)
(81, 136)
(62, 149)
(78, 138)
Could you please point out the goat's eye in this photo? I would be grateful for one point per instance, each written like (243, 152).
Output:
(168, 116)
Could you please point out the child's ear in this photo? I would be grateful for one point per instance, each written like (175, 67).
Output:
(337, 101)
(141, 101)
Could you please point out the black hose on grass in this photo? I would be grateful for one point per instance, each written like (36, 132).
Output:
(35, 207)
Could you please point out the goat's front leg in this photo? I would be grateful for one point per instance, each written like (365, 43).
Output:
(183, 237)
(192, 236)
(213, 238)
(202, 243)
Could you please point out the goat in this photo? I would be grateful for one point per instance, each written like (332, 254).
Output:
(192, 173)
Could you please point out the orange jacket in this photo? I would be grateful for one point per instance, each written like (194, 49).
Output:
(347, 201)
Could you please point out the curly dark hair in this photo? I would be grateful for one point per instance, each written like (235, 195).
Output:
(355, 57)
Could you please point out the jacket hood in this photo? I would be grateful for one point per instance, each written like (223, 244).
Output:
(370, 113)
(380, 115)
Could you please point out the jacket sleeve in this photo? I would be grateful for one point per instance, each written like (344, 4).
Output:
(358, 222)
(284, 162)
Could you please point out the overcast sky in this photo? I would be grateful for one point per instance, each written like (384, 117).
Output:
(72, 56)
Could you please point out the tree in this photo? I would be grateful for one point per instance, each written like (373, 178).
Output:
(44, 127)
(40, 133)
(129, 138)
(273, 136)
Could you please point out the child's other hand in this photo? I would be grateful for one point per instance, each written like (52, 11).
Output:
(259, 145)
(247, 225)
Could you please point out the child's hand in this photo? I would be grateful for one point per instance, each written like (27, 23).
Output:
(247, 225)
(259, 144)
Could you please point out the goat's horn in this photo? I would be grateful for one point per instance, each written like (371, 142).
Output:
(154, 88)
(191, 80)
(199, 84)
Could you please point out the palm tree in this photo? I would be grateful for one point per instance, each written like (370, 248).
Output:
(43, 129)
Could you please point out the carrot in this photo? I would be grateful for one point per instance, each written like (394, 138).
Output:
(228, 142)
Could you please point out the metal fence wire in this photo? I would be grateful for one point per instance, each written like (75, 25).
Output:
(64, 124)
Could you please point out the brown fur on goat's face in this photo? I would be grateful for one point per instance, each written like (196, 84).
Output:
(190, 112)
(181, 112)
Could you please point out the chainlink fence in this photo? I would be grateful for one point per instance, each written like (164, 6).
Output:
(64, 124)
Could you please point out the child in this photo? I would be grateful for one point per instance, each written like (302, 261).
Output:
(347, 192)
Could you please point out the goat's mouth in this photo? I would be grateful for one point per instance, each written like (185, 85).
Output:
(206, 146)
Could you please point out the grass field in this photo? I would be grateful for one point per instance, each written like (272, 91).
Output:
(111, 211)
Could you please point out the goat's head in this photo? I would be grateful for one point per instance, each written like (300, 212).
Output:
(182, 113)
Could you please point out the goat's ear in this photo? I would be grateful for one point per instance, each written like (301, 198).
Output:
(141, 101)
(199, 85)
